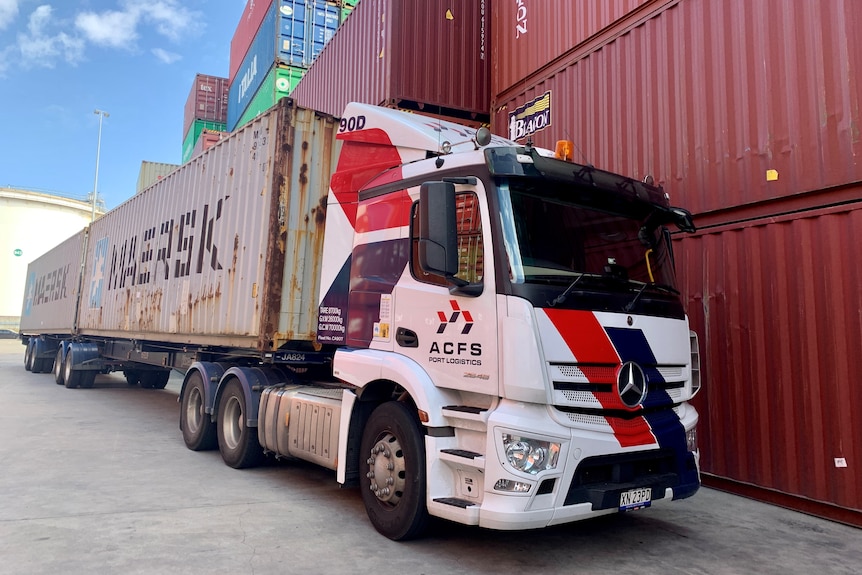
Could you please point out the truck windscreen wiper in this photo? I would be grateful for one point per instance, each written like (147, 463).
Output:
(643, 288)
(562, 297)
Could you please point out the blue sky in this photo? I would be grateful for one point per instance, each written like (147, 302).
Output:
(62, 59)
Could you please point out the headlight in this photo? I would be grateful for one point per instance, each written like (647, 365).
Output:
(530, 455)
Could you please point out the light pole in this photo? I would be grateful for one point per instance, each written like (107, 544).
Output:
(102, 114)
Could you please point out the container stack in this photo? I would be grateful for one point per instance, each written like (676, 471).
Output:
(274, 43)
(431, 57)
(753, 123)
(206, 109)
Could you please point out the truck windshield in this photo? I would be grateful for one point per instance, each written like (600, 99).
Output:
(582, 249)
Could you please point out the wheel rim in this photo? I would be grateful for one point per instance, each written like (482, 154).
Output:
(195, 410)
(387, 472)
(233, 423)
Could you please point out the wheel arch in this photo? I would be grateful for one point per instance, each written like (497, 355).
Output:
(370, 371)
(211, 374)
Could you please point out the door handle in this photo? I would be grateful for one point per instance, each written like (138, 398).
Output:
(406, 337)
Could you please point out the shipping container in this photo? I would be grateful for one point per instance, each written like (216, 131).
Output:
(207, 140)
(152, 172)
(292, 33)
(209, 266)
(52, 288)
(207, 101)
(529, 34)
(249, 23)
(429, 56)
(279, 83)
(197, 128)
(725, 102)
(776, 302)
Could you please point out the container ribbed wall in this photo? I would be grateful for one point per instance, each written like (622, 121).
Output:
(725, 102)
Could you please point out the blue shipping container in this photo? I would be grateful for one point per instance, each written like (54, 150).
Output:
(252, 71)
(293, 33)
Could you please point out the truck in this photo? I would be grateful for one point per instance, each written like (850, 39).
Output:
(464, 327)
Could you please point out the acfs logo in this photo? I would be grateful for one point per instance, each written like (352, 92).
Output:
(456, 321)
(530, 118)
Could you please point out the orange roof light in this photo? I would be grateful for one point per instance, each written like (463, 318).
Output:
(565, 150)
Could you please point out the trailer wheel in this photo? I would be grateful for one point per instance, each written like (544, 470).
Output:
(58, 367)
(76, 378)
(394, 491)
(199, 431)
(237, 441)
(154, 379)
(28, 355)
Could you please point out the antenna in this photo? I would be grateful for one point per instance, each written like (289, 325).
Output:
(587, 162)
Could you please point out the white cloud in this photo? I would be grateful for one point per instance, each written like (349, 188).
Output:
(113, 29)
(41, 47)
(8, 12)
(49, 38)
(119, 28)
(165, 56)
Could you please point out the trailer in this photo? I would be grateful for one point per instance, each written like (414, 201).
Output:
(464, 327)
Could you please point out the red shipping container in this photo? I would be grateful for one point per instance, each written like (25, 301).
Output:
(528, 34)
(776, 303)
(207, 101)
(249, 23)
(207, 140)
(430, 56)
(725, 102)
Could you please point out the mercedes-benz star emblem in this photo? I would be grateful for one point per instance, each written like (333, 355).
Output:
(631, 384)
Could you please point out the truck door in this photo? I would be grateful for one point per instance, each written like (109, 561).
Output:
(451, 332)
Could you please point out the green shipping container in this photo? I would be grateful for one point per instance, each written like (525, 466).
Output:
(279, 82)
(195, 132)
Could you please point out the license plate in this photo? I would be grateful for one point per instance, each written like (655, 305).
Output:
(635, 499)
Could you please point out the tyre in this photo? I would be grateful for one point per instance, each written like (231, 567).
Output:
(58, 367)
(28, 355)
(71, 378)
(237, 442)
(393, 492)
(199, 431)
(156, 379)
(133, 376)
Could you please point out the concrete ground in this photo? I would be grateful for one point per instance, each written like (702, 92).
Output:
(99, 481)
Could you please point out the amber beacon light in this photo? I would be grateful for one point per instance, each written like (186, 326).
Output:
(565, 150)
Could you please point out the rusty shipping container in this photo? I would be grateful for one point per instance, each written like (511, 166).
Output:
(431, 56)
(222, 251)
(725, 102)
(777, 302)
(52, 288)
(530, 33)
(207, 101)
(246, 29)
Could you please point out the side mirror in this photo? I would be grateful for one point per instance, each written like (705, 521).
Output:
(438, 230)
(683, 220)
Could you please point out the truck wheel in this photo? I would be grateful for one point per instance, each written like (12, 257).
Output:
(71, 378)
(133, 376)
(394, 491)
(154, 379)
(237, 442)
(28, 355)
(199, 432)
(58, 367)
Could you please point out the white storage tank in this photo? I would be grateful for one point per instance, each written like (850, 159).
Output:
(31, 223)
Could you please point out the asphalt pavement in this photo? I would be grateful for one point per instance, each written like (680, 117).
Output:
(99, 481)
